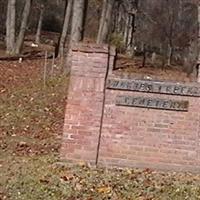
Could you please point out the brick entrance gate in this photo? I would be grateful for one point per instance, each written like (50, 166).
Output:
(114, 121)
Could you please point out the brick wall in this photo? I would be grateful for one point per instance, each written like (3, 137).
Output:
(143, 137)
(127, 136)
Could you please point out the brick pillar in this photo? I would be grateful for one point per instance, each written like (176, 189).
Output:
(84, 104)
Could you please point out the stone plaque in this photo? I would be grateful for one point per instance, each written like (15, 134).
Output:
(154, 87)
(156, 103)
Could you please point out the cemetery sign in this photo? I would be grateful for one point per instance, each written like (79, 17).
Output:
(154, 87)
(156, 103)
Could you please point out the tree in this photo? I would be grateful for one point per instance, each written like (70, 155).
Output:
(10, 26)
(167, 28)
(13, 45)
(62, 40)
(199, 33)
(131, 24)
(21, 35)
(78, 20)
(3, 11)
(39, 27)
(106, 17)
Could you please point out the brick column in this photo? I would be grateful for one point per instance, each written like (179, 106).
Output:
(84, 104)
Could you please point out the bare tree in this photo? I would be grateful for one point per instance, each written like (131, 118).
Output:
(105, 21)
(78, 20)
(132, 12)
(62, 40)
(10, 26)
(199, 33)
(126, 29)
(14, 46)
(39, 27)
(25, 16)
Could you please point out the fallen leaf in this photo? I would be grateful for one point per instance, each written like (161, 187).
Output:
(104, 190)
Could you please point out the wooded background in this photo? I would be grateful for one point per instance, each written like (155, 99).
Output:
(158, 29)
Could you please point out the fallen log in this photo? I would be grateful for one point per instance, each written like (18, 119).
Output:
(27, 56)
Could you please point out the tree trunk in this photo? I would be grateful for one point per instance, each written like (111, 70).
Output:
(131, 39)
(199, 34)
(115, 17)
(126, 29)
(102, 19)
(119, 21)
(78, 18)
(25, 16)
(10, 26)
(153, 58)
(133, 30)
(129, 35)
(63, 36)
(144, 56)
(84, 16)
(103, 14)
(106, 18)
(8, 47)
(169, 58)
(39, 28)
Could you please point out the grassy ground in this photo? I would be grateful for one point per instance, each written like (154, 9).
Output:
(31, 119)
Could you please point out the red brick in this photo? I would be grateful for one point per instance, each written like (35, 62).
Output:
(131, 136)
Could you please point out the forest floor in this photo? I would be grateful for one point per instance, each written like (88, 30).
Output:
(152, 71)
(31, 120)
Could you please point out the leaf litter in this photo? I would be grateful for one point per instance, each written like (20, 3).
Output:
(31, 121)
